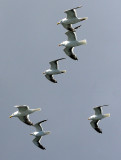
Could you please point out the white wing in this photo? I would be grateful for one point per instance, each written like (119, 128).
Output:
(22, 108)
(38, 125)
(54, 64)
(69, 52)
(71, 36)
(98, 109)
(36, 141)
(26, 120)
(94, 124)
(71, 13)
(50, 78)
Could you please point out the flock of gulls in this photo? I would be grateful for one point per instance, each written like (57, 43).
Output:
(24, 110)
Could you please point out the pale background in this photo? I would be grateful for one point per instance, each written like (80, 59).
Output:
(29, 39)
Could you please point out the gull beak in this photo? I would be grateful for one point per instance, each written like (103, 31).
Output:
(10, 117)
(58, 23)
(88, 119)
(59, 45)
(31, 134)
(43, 73)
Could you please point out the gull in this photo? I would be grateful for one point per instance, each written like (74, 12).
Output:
(38, 134)
(71, 19)
(71, 43)
(23, 113)
(54, 69)
(97, 117)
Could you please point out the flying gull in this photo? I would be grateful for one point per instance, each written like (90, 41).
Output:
(38, 134)
(71, 19)
(23, 113)
(71, 43)
(97, 117)
(53, 70)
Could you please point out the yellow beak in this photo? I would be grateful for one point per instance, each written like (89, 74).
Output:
(10, 117)
(58, 23)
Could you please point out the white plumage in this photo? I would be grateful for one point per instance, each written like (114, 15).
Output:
(23, 113)
(97, 117)
(38, 134)
(54, 69)
(71, 43)
(71, 19)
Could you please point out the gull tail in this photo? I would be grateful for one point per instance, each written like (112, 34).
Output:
(107, 115)
(64, 71)
(48, 132)
(37, 109)
(83, 42)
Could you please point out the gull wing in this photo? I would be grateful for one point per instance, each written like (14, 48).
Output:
(54, 64)
(26, 120)
(71, 36)
(69, 52)
(38, 125)
(71, 13)
(98, 109)
(36, 141)
(94, 124)
(69, 27)
(22, 108)
(50, 78)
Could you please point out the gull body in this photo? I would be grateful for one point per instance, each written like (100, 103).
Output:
(71, 43)
(71, 19)
(38, 134)
(97, 117)
(23, 113)
(54, 69)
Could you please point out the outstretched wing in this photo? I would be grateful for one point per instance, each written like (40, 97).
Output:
(98, 109)
(69, 27)
(71, 13)
(38, 125)
(26, 120)
(36, 141)
(50, 78)
(94, 124)
(71, 36)
(22, 108)
(54, 64)
(69, 52)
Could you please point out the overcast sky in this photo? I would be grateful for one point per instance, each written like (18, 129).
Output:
(29, 38)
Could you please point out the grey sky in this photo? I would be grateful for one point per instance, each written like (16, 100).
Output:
(29, 39)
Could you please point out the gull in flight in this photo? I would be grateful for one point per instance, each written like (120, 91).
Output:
(97, 117)
(54, 69)
(71, 19)
(23, 113)
(71, 43)
(38, 134)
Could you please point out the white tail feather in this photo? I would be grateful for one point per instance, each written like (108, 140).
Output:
(107, 115)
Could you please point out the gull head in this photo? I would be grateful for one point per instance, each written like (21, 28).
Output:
(59, 22)
(13, 115)
(10, 116)
(90, 118)
(61, 44)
